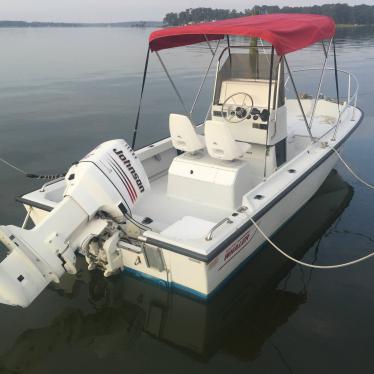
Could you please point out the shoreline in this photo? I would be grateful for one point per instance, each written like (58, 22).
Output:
(23, 24)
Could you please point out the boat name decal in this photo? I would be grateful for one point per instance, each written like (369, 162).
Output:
(237, 245)
(130, 168)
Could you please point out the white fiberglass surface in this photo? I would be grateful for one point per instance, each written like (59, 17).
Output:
(325, 116)
(164, 210)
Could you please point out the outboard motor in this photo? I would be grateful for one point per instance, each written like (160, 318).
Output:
(101, 191)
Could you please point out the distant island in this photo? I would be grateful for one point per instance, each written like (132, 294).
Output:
(343, 14)
(70, 24)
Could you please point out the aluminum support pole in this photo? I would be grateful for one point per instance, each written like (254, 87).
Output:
(204, 79)
(172, 83)
(298, 100)
(209, 45)
(319, 86)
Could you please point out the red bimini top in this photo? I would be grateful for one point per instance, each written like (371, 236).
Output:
(286, 32)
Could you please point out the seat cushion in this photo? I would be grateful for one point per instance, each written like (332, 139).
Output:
(221, 143)
(183, 134)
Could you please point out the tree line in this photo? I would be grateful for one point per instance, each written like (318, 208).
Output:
(341, 13)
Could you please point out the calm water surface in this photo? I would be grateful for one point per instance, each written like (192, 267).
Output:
(62, 92)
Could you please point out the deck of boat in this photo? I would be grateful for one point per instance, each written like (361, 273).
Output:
(164, 210)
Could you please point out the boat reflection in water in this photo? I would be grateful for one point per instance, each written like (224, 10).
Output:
(237, 320)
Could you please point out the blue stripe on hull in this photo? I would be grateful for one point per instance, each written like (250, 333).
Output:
(189, 291)
(164, 284)
(196, 294)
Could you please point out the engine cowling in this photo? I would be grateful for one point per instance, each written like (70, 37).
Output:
(101, 189)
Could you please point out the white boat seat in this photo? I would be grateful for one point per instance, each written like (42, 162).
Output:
(221, 143)
(183, 134)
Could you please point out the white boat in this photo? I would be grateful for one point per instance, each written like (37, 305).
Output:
(127, 307)
(180, 211)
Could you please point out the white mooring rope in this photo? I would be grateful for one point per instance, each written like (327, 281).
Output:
(351, 170)
(31, 175)
(12, 166)
(304, 263)
(319, 266)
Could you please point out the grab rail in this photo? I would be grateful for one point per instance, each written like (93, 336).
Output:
(50, 183)
(351, 98)
(214, 228)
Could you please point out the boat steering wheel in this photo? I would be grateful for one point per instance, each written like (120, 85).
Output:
(234, 112)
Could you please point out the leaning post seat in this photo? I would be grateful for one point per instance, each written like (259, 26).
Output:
(183, 134)
(221, 143)
(204, 178)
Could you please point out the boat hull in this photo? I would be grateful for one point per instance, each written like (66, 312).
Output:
(202, 279)
(200, 274)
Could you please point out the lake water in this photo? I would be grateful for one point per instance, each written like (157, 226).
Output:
(62, 92)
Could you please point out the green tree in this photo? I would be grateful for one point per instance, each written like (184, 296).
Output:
(342, 13)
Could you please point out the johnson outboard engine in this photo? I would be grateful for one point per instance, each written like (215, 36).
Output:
(101, 191)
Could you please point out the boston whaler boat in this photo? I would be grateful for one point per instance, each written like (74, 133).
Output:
(238, 319)
(186, 211)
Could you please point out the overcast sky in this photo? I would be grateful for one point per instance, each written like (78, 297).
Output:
(124, 10)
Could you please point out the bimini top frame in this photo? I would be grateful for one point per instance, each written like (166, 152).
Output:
(285, 32)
